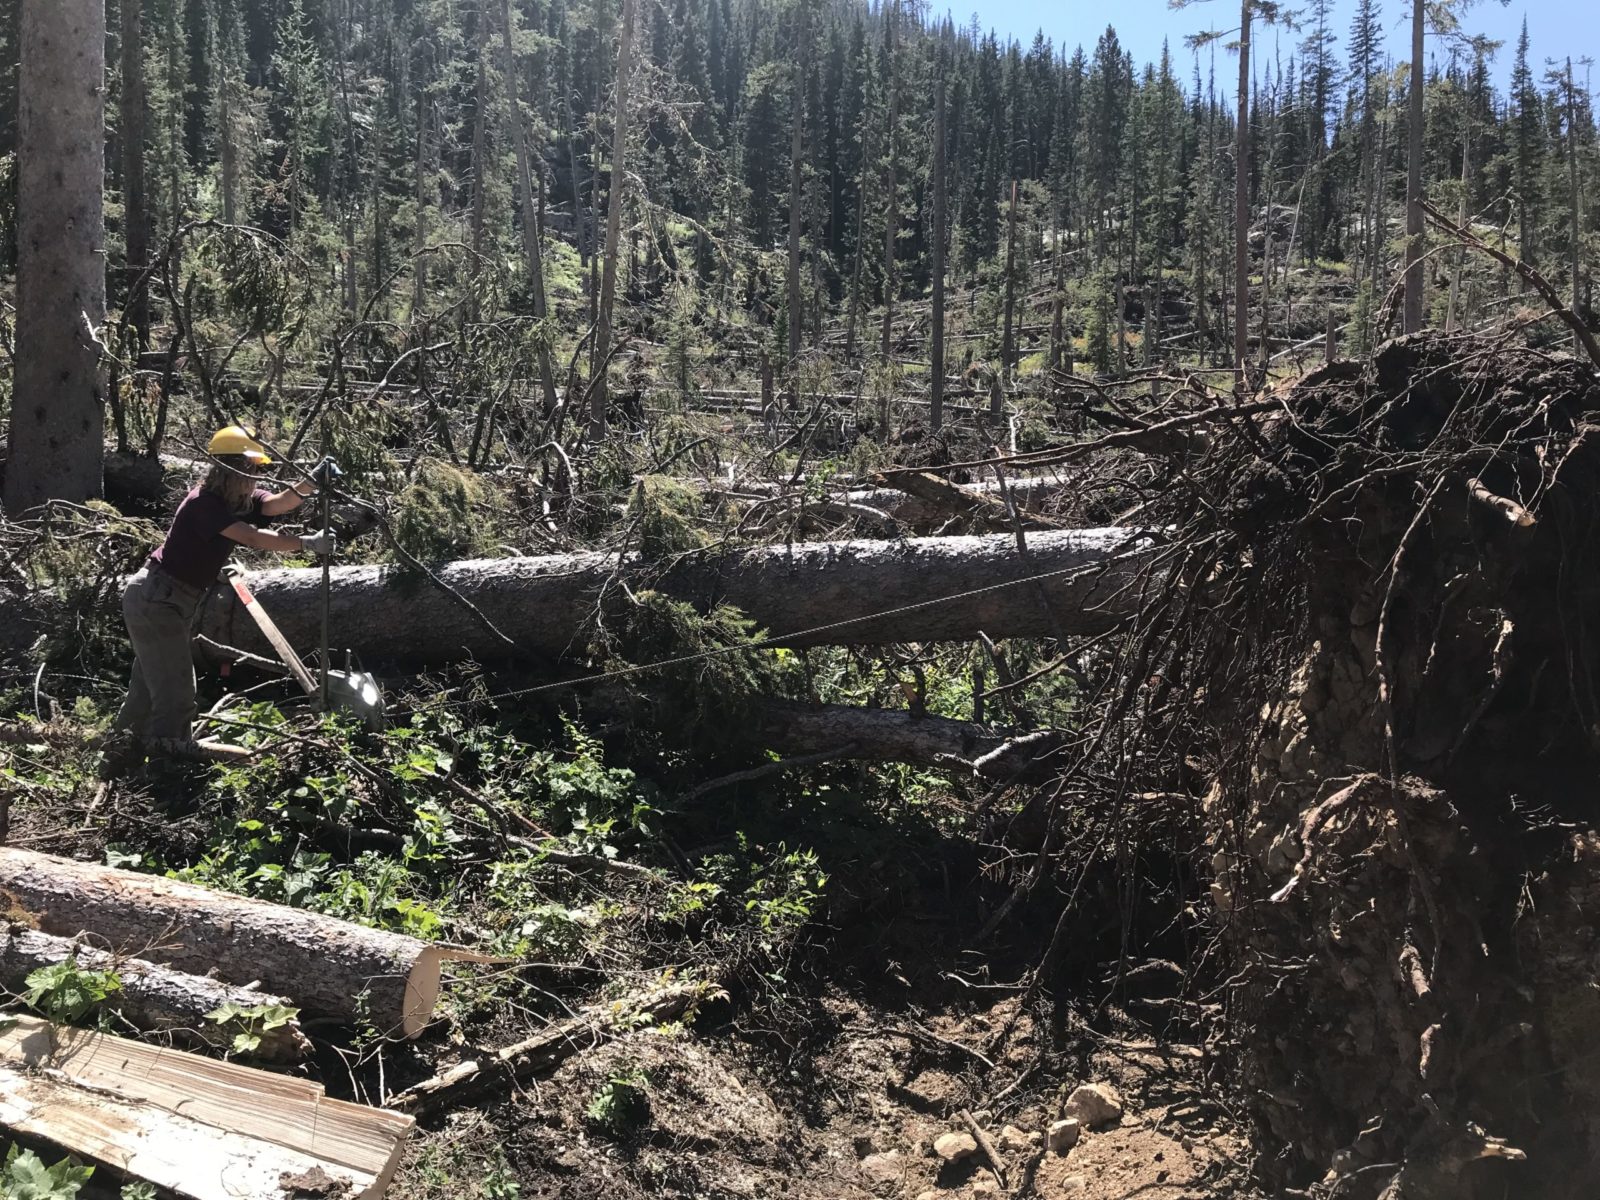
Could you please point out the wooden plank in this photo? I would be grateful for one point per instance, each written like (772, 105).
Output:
(117, 1090)
(184, 1157)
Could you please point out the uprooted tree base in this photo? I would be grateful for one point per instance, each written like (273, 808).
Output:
(1393, 585)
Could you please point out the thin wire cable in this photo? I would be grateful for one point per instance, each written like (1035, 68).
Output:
(765, 643)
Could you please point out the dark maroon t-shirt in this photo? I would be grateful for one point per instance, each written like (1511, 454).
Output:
(195, 550)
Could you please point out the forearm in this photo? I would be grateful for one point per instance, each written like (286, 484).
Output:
(283, 543)
(285, 501)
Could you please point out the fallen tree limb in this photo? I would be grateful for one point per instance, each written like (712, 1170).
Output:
(327, 966)
(858, 592)
(197, 1128)
(552, 1046)
(1524, 272)
(952, 500)
(154, 997)
(895, 735)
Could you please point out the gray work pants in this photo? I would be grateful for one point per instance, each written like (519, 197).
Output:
(160, 613)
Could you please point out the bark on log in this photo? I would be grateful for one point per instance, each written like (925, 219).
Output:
(153, 997)
(327, 966)
(863, 592)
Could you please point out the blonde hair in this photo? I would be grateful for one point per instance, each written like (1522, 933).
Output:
(231, 478)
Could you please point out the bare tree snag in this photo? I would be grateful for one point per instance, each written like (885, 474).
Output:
(608, 274)
(986, 505)
(940, 236)
(153, 997)
(195, 1127)
(1413, 307)
(327, 966)
(56, 414)
(808, 593)
(530, 212)
(1241, 209)
(136, 215)
(796, 198)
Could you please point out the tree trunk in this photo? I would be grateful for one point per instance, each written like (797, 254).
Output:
(1241, 210)
(135, 214)
(1414, 275)
(936, 351)
(860, 592)
(608, 281)
(327, 966)
(154, 998)
(419, 233)
(530, 210)
(1575, 215)
(56, 412)
(1008, 340)
(480, 134)
(796, 185)
(891, 220)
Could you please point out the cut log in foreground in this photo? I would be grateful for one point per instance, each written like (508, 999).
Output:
(328, 967)
(824, 593)
(194, 1127)
(153, 997)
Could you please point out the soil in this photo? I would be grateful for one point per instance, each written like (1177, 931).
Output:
(855, 1115)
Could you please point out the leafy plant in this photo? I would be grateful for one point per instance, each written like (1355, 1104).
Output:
(138, 1191)
(253, 1022)
(67, 991)
(621, 1105)
(25, 1177)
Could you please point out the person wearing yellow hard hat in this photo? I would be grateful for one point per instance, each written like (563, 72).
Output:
(159, 603)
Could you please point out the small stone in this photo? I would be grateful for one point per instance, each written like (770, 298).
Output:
(1095, 1104)
(1073, 1183)
(928, 1195)
(1015, 1141)
(884, 1172)
(985, 1187)
(954, 1147)
(1063, 1135)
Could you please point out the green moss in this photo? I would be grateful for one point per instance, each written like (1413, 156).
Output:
(445, 513)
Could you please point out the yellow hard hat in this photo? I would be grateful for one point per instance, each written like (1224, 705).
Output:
(236, 439)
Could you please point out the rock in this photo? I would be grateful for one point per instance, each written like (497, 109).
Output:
(884, 1173)
(1072, 1183)
(928, 1195)
(1015, 1141)
(954, 1147)
(1063, 1135)
(1095, 1104)
(985, 1187)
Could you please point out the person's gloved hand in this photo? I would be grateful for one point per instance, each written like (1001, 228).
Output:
(326, 471)
(320, 544)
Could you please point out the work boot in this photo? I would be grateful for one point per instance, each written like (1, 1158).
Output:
(179, 749)
(120, 754)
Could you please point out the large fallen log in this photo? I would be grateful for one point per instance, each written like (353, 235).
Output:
(328, 966)
(194, 1127)
(157, 998)
(860, 592)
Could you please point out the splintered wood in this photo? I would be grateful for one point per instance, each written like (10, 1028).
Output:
(201, 1129)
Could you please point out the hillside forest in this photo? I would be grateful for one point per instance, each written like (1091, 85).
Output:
(910, 613)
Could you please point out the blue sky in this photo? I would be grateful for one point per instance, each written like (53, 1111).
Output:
(1555, 27)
